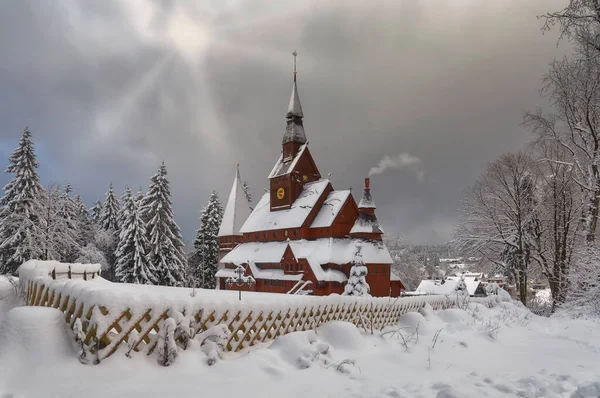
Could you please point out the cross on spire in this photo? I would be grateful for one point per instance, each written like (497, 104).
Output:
(294, 54)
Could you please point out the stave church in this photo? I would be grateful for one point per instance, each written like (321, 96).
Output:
(303, 236)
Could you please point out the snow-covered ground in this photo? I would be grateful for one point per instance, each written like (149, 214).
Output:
(499, 352)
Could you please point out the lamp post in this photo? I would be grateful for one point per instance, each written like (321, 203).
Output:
(240, 280)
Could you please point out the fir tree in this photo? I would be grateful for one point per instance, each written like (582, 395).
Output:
(357, 282)
(109, 218)
(21, 216)
(97, 212)
(68, 233)
(107, 234)
(166, 252)
(131, 262)
(206, 245)
(84, 224)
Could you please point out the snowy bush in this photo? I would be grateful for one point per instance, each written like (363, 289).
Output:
(84, 354)
(167, 348)
(90, 254)
(357, 282)
(213, 342)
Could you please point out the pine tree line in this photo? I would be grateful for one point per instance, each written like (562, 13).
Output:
(136, 240)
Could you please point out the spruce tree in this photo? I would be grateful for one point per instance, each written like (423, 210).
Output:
(21, 215)
(357, 282)
(97, 212)
(107, 232)
(131, 260)
(67, 227)
(84, 224)
(206, 245)
(109, 218)
(166, 252)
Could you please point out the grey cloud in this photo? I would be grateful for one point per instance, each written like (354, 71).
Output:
(109, 93)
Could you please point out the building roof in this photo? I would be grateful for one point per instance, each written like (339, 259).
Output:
(263, 219)
(287, 165)
(317, 253)
(294, 107)
(331, 208)
(435, 286)
(366, 223)
(237, 209)
(367, 202)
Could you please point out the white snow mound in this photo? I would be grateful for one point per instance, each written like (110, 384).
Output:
(341, 335)
(33, 335)
(589, 390)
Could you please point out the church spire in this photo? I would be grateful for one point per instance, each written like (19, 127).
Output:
(294, 131)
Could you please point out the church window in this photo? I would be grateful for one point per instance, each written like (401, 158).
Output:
(296, 233)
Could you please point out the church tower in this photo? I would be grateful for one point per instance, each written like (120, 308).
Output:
(295, 166)
(236, 212)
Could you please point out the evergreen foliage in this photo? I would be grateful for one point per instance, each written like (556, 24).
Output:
(206, 244)
(357, 282)
(131, 262)
(167, 252)
(21, 217)
(109, 217)
(97, 212)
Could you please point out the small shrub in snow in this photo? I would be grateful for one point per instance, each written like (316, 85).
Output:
(357, 282)
(167, 347)
(132, 340)
(84, 354)
(213, 342)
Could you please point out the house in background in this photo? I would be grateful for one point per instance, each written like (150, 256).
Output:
(447, 286)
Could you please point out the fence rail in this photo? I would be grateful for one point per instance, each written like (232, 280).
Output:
(108, 318)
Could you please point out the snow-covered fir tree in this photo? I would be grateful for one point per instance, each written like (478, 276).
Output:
(96, 212)
(107, 231)
(139, 196)
(109, 218)
(206, 244)
(357, 282)
(84, 224)
(21, 218)
(68, 228)
(131, 260)
(167, 251)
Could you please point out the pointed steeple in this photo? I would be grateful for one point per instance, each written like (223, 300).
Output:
(237, 209)
(366, 225)
(294, 131)
(367, 200)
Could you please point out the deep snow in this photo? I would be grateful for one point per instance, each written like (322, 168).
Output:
(500, 352)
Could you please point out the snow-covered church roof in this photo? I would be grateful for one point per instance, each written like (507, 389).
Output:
(263, 219)
(330, 209)
(294, 131)
(286, 166)
(366, 223)
(237, 209)
(317, 253)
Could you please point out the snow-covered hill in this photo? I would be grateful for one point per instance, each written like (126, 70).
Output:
(503, 351)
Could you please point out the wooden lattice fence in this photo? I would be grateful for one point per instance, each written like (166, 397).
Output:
(108, 319)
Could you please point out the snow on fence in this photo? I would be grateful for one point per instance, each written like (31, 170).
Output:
(111, 314)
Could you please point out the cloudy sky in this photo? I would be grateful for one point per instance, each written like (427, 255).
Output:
(111, 88)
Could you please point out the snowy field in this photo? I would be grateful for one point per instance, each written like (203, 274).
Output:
(479, 352)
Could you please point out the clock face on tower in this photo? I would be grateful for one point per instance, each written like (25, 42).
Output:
(280, 193)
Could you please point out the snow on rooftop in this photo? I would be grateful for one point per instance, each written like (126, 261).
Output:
(367, 202)
(394, 277)
(330, 209)
(263, 219)
(237, 209)
(366, 223)
(435, 286)
(294, 107)
(285, 166)
(317, 252)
